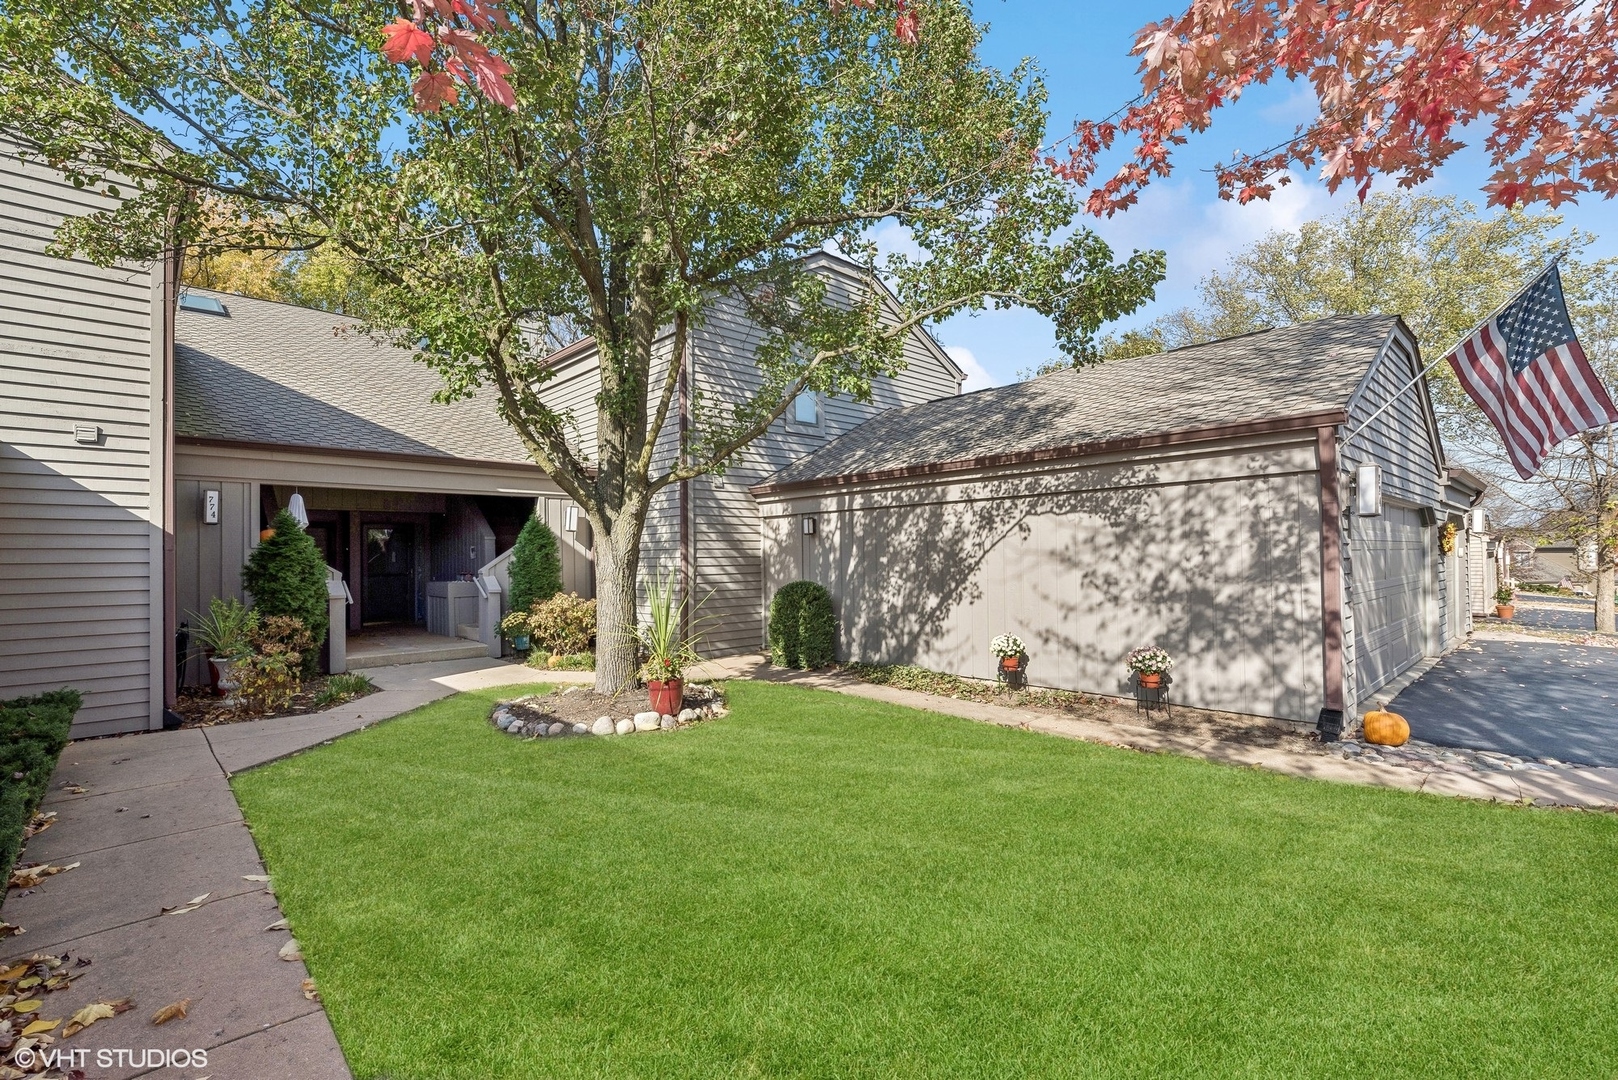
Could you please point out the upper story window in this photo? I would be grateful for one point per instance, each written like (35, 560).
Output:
(806, 408)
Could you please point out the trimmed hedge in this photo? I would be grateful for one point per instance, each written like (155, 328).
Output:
(33, 731)
(536, 566)
(803, 626)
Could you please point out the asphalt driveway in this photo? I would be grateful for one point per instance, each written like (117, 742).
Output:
(1546, 612)
(1535, 699)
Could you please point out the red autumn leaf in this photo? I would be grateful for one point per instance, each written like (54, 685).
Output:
(405, 41)
(433, 90)
(908, 27)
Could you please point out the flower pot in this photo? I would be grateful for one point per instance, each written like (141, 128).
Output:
(520, 643)
(1010, 663)
(668, 696)
(1150, 680)
(1505, 611)
(219, 676)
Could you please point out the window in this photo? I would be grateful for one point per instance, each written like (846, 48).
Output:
(806, 409)
(205, 305)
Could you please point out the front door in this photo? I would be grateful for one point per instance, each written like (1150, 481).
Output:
(390, 573)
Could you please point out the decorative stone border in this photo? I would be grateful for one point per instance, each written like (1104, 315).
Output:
(507, 721)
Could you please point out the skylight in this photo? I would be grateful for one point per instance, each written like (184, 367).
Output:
(204, 305)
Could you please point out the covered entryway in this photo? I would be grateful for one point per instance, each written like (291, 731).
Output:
(1389, 560)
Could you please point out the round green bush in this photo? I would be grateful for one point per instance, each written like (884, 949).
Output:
(536, 566)
(803, 626)
(287, 576)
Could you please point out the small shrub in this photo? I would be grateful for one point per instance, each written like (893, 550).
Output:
(33, 731)
(580, 661)
(226, 630)
(344, 687)
(563, 624)
(270, 675)
(803, 626)
(536, 566)
(287, 576)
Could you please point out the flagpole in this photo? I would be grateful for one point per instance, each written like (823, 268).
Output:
(1446, 354)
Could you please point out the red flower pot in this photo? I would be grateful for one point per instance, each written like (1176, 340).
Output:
(1010, 663)
(667, 695)
(1151, 680)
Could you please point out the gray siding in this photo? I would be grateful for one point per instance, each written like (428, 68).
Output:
(1213, 555)
(1395, 579)
(81, 526)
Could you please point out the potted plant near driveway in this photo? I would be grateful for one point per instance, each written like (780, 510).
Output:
(1504, 608)
(225, 635)
(1013, 660)
(665, 645)
(1149, 664)
(516, 628)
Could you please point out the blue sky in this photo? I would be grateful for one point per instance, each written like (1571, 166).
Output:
(1083, 49)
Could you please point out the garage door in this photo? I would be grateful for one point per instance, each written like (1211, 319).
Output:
(1389, 580)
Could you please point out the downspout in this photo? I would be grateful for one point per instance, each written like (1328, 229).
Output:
(171, 621)
(1330, 723)
(687, 556)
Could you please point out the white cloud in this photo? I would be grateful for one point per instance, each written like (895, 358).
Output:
(977, 378)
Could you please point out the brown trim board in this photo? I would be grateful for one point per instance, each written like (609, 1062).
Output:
(1331, 568)
(1305, 422)
(370, 455)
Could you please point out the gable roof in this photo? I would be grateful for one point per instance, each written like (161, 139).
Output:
(271, 373)
(1306, 372)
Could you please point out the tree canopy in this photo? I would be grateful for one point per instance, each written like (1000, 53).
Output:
(621, 167)
(1395, 83)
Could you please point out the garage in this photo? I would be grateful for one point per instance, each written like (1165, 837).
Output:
(1388, 556)
(1203, 500)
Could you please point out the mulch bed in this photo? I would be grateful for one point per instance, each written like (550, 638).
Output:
(1253, 730)
(200, 708)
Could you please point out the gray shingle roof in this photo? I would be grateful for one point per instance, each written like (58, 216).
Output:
(274, 373)
(1270, 375)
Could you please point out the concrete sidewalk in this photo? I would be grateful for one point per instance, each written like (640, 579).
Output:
(1592, 788)
(155, 825)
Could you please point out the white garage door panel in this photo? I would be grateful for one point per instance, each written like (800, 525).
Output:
(1389, 559)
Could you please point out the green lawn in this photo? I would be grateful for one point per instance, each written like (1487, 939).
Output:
(822, 886)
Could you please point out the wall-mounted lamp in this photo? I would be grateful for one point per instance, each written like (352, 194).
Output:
(1368, 490)
(570, 519)
(808, 526)
(210, 507)
(1477, 523)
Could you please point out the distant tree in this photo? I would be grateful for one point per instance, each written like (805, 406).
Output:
(1396, 83)
(1139, 342)
(536, 566)
(286, 575)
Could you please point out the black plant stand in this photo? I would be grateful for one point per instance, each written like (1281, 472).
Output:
(1012, 678)
(1148, 698)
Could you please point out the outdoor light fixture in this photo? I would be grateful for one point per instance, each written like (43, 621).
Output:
(570, 519)
(210, 507)
(1478, 525)
(1368, 490)
(808, 526)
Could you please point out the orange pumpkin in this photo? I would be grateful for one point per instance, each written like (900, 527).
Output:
(265, 534)
(1386, 728)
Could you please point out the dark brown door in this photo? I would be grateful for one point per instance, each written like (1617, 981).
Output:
(390, 573)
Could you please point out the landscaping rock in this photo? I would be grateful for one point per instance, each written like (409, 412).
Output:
(581, 729)
(668, 723)
(646, 721)
(602, 726)
(558, 728)
(626, 726)
(514, 729)
(688, 716)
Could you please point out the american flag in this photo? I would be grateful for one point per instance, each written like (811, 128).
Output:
(1526, 371)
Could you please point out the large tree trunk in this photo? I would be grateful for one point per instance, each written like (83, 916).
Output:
(617, 570)
(1603, 587)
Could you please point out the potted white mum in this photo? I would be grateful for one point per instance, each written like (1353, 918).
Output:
(1150, 664)
(1013, 657)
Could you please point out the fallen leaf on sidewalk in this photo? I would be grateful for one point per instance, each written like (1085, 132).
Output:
(278, 924)
(40, 1027)
(100, 1010)
(189, 905)
(291, 950)
(12, 974)
(31, 1005)
(175, 1011)
(10, 930)
(75, 789)
(31, 876)
(309, 990)
(255, 877)
(42, 820)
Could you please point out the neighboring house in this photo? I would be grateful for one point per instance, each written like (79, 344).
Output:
(1203, 500)
(1551, 564)
(709, 529)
